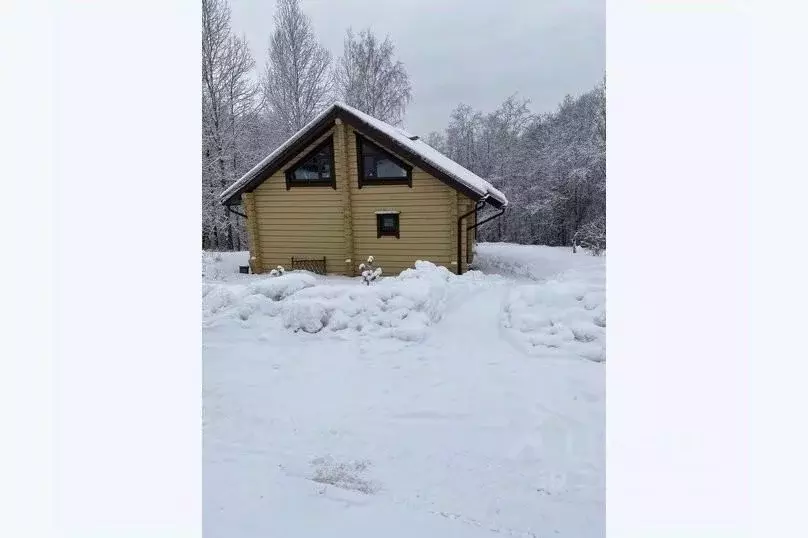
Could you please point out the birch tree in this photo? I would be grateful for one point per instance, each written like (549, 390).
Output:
(228, 98)
(368, 77)
(463, 136)
(296, 83)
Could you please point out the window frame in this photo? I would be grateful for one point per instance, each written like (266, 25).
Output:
(291, 181)
(361, 141)
(382, 233)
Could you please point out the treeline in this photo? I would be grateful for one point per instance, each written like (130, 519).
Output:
(551, 167)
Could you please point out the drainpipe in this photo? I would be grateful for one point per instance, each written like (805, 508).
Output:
(477, 207)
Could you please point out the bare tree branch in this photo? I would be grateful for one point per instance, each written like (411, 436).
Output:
(295, 83)
(368, 78)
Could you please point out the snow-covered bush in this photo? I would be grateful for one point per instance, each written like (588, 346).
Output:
(282, 286)
(278, 271)
(369, 272)
(591, 236)
(399, 307)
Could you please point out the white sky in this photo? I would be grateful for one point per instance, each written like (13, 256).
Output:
(476, 52)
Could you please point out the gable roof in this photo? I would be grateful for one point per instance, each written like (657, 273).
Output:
(399, 141)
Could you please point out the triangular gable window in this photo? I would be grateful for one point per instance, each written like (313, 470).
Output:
(377, 166)
(315, 169)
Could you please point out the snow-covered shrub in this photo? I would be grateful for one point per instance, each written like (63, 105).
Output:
(592, 236)
(369, 272)
(282, 286)
(400, 307)
(278, 271)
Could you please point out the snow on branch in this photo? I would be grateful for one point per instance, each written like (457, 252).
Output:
(370, 273)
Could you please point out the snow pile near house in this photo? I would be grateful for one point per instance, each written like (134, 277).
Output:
(253, 296)
(400, 307)
(566, 314)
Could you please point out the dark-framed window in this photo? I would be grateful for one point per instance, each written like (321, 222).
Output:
(315, 169)
(377, 166)
(387, 224)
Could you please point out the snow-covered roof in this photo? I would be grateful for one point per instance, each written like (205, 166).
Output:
(424, 151)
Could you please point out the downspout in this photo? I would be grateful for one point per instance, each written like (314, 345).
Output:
(477, 207)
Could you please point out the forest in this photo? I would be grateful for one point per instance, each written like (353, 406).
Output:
(550, 165)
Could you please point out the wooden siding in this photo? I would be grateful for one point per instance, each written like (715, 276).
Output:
(304, 222)
(341, 224)
(424, 217)
(248, 199)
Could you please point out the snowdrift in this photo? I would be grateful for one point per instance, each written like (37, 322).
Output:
(562, 315)
(401, 307)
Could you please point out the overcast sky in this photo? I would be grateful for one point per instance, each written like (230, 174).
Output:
(475, 52)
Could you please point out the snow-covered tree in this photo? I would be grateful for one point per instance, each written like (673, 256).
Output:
(369, 78)
(591, 236)
(228, 100)
(436, 140)
(463, 135)
(296, 83)
(552, 166)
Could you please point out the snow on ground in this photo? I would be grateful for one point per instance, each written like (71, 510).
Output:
(534, 262)
(424, 405)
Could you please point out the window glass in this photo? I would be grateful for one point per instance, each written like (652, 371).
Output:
(378, 164)
(316, 167)
(387, 224)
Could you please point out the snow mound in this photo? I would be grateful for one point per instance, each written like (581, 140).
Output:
(562, 316)
(243, 300)
(282, 286)
(399, 307)
(216, 298)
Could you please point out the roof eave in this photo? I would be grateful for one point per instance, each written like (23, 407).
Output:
(408, 154)
(319, 128)
(282, 158)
